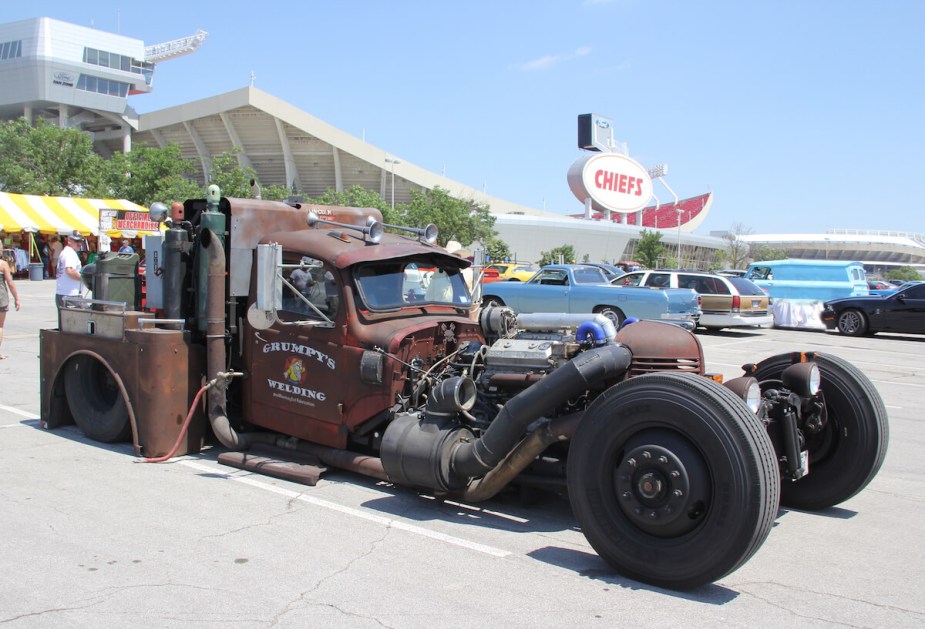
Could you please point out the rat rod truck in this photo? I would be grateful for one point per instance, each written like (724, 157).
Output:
(321, 340)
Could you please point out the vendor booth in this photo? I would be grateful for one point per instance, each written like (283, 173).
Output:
(27, 222)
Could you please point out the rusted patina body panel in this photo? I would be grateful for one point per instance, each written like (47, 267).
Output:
(659, 346)
(321, 383)
(251, 220)
(158, 370)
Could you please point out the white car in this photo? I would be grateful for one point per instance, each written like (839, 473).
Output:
(726, 301)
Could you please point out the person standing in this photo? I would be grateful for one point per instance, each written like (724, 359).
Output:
(6, 284)
(55, 247)
(68, 283)
(44, 256)
(126, 247)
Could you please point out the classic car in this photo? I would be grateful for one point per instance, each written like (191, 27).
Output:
(726, 301)
(584, 288)
(514, 271)
(879, 287)
(902, 311)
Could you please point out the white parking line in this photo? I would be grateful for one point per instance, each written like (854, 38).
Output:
(359, 513)
(17, 411)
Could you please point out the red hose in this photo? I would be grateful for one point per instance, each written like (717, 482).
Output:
(183, 429)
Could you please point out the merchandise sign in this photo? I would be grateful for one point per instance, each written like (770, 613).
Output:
(126, 220)
(612, 181)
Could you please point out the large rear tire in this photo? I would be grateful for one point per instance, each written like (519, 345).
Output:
(849, 451)
(95, 400)
(673, 480)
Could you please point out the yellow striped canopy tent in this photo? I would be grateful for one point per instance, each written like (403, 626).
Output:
(62, 215)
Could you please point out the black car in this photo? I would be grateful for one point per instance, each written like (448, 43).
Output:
(902, 311)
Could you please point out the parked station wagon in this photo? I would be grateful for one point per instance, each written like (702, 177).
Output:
(726, 302)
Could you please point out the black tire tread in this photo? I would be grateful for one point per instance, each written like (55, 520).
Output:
(744, 428)
(833, 486)
(82, 387)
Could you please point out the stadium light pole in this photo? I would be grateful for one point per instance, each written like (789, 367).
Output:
(678, 210)
(392, 161)
(659, 172)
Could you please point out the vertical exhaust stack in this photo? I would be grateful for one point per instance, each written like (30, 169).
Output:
(215, 350)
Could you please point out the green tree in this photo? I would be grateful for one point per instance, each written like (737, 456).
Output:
(147, 174)
(229, 175)
(235, 180)
(763, 252)
(44, 159)
(456, 219)
(497, 249)
(649, 248)
(903, 274)
(563, 253)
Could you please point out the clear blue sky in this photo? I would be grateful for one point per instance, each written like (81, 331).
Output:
(797, 115)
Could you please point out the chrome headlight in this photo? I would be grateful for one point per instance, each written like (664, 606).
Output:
(804, 379)
(748, 389)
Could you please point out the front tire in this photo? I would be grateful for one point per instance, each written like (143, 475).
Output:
(95, 400)
(852, 323)
(673, 480)
(849, 451)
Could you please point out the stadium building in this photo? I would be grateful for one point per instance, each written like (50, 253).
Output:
(75, 76)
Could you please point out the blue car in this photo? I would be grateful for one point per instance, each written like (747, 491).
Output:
(584, 288)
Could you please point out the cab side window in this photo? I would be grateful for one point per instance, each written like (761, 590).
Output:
(760, 273)
(552, 277)
(310, 284)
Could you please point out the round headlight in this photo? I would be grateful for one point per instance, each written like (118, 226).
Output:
(815, 379)
(753, 396)
(748, 389)
(804, 379)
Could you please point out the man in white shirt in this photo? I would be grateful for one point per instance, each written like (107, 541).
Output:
(68, 282)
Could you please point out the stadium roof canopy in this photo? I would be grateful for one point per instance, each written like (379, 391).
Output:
(286, 146)
(871, 247)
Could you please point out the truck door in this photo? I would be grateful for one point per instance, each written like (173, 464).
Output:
(294, 385)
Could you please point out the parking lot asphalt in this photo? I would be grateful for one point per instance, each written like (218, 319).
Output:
(93, 537)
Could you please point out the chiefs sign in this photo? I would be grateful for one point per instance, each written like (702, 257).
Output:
(612, 181)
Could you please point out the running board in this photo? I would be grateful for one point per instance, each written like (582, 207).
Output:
(286, 464)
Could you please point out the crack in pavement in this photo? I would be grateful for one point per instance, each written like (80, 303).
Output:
(292, 605)
(743, 588)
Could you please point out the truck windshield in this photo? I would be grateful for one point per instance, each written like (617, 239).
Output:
(391, 284)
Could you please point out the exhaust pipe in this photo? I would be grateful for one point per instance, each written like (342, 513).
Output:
(470, 459)
(215, 351)
(433, 450)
